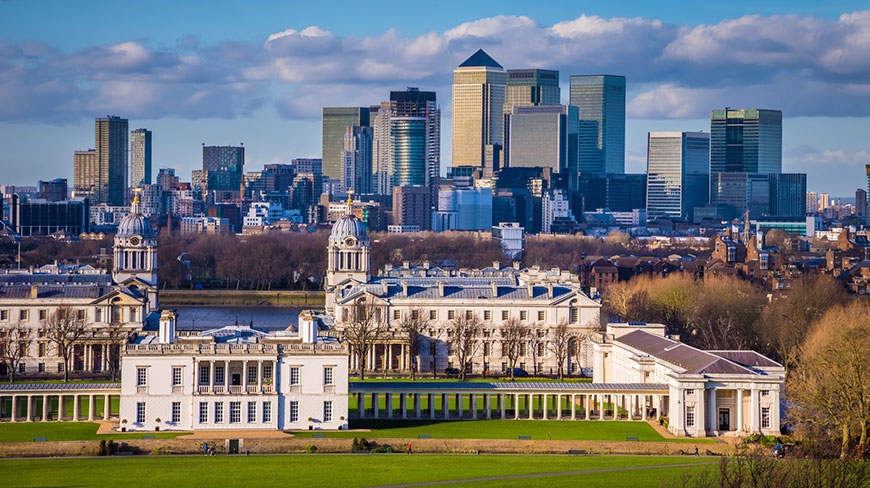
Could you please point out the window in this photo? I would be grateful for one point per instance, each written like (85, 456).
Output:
(542, 315)
(203, 412)
(141, 376)
(397, 314)
(505, 315)
(294, 411)
(80, 314)
(204, 372)
(176, 376)
(40, 349)
(690, 392)
(486, 348)
(690, 416)
(252, 374)
(765, 417)
(765, 392)
(433, 315)
(469, 314)
(140, 412)
(235, 412)
(60, 367)
(415, 314)
(21, 368)
(267, 412)
(252, 412)
(22, 314)
(451, 314)
(267, 371)
(487, 315)
(218, 412)
(524, 315)
(327, 375)
(433, 348)
(43, 314)
(327, 411)
(40, 368)
(176, 412)
(294, 375)
(541, 349)
(98, 315)
(4, 315)
(219, 374)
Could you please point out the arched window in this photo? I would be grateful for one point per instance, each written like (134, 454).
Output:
(117, 311)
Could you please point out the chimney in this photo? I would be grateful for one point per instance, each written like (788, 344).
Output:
(426, 264)
(517, 265)
(385, 287)
(406, 264)
(405, 288)
(441, 289)
(166, 332)
(494, 289)
(496, 265)
(531, 287)
(307, 327)
(34, 291)
(550, 290)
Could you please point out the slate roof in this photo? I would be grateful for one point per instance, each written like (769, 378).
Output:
(480, 58)
(750, 359)
(50, 278)
(58, 291)
(471, 292)
(693, 360)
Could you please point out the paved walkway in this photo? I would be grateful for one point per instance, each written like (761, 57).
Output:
(538, 475)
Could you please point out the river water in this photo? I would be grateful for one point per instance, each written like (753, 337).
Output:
(264, 318)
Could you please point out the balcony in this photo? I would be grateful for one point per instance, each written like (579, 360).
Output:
(329, 388)
(142, 389)
(219, 388)
(253, 389)
(177, 389)
(204, 389)
(236, 389)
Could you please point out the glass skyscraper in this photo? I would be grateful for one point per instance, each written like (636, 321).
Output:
(526, 88)
(788, 194)
(101, 173)
(545, 136)
(408, 151)
(478, 104)
(600, 101)
(747, 140)
(140, 157)
(335, 123)
(677, 173)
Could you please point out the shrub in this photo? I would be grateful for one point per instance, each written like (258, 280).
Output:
(158, 451)
(753, 438)
(310, 448)
(769, 440)
(103, 447)
(381, 449)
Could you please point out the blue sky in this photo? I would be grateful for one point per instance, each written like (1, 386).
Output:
(224, 72)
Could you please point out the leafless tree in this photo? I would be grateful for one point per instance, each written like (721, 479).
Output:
(560, 345)
(537, 344)
(14, 340)
(64, 329)
(365, 323)
(414, 326)
(466, 330)
(513, 336)
(116, 338)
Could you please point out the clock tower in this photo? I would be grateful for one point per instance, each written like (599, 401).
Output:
(135, 249)
(348, 253)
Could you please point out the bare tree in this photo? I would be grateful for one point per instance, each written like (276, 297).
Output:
(560, 345)
(576, 346)
(414, 325)
(466, 329)
(64, 329)
(14, 340)
(537, 344)
(366, 321)
(116, 337)
(513, 336)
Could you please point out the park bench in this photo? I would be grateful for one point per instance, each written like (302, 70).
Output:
(318, 435)
(525, 437)
(577, 451)
(631, 438)
(424, 436)
(40, 439)
(147, 436)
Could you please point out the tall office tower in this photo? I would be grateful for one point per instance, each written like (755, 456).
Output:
(478, 103)
(140, 157)
(166, 179)
(412, 205)
(53, 191)
(545, 136)
(356, 160)
(381, 153)
(748, 140)
(335, 123)
(860, 203)
(415, 139)
(528, 87)
(788, 194)
(223, 169)
(741, 191)
(314, 167)
(600, 101)
(812, 202)
(824, 202)
(101, 173)
(867, 170)
(677, 173)
(626, 192)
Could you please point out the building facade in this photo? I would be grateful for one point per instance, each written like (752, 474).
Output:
(677, 173)
(527, 88)
(746, 140)
(479, 85)
(39, 217)
(356, 160)
(545, 136)
(140, 157)
(335, 122)
(600, 101)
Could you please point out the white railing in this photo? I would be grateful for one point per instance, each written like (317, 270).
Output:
(230, 348)
(268, 389)
(141, 389)
(236, 389)
(253, 389)
(218, 388)
(177, 389)
(204, 389)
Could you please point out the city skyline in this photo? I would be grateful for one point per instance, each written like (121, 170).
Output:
(159, 81)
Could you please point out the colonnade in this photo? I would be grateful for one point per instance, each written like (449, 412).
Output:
(517, 405)
(212, 384)
(25, 407)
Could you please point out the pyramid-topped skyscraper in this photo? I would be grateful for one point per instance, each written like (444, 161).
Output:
(478, 100)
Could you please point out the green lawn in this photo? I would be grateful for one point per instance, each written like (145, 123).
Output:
(64, 431)
(353, 404)
(314, 471)
(591, 430)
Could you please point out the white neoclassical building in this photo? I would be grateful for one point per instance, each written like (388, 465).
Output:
(709, 392)
(539, 299)
(234, 377)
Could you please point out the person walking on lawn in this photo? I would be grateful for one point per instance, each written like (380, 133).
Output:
(409, 449)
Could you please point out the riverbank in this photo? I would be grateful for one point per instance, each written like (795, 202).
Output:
(282, 298)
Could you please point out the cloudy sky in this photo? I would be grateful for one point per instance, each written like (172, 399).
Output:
(225, 72)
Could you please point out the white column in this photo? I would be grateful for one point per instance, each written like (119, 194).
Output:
(714, 413)
(417, 405)
(544, 405)
(61, 408)
(76, 401)
(473, 405)
(375, 406)
(573, 407)
(643, 407)
(259, 376)
(107, 406)
(46, 400)
(501, 401)
(588, 406)
(755, 420)
(445, 405)
(487, 399)
(29, 408)
(245, 376)
(700, 411)
(361, 405)
(600, 401)
(459, 409)
(211, 367)
(739, 410)
(91, 402)
(531, 406)
(403, 404)
(516, 406)
(431, 400)
(389, 405)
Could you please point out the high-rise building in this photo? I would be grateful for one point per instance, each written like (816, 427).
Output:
(788, 194)
(525, 88)
(544, 136)
(54, 190)
(824, 202)
(101, 173)
(677, 173)
(39, 217)
(742, 191)
(625, 192)
(313, 167)
(167, 180)
(812, 202)
(223, 171)
(415, 138)
(334, 125)
(412, 205)
(860, 203)
(600, 101)
(747, 140)
(140, 157)
(479, 85)
(356, 160)
(86, 174)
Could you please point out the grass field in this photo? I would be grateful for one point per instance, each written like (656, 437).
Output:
(591, 430)
(276, 298)
(64, 431)
(314, 471)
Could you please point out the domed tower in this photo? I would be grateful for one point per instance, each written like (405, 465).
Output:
(135, 249)
(348, 252)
